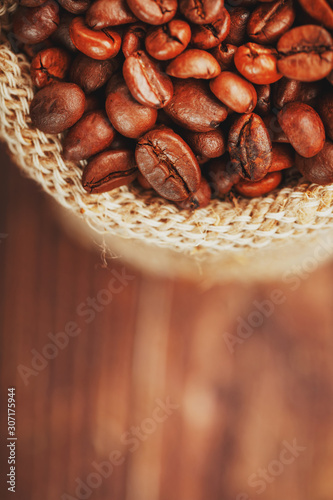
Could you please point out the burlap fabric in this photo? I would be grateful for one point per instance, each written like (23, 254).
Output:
(232, 238)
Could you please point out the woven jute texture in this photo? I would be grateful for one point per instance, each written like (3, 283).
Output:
(231, 238)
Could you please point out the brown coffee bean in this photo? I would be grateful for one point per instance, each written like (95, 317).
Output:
(283, 157)
(153, 11)
(224, 54)
(257, 63)
(264, 99)
(34, 25)
(255, 189)
(57, 107)
(287, 90)
(61, 35)
(49, 65)
(201, 11)
(91, 74)
(325, 110)
(305, 53)
(146, 82)
(235, 92)
(200, 199)
(109, 170)
(206, 144)
(194, 63)
(319, 168)
(270, 21)
(128, 116)
(221, 176)
(99, 45)
(134, 39)
(31, 3)
(168, 41)
(207, 36)
(274, 129)
(75, 6)
(31, 50)
(250, 147)
(194, 107)
(168, 164)
(303, 127)
(90, 135)
(104, 13)
(239, 17)
(143, 181)
(321, 10)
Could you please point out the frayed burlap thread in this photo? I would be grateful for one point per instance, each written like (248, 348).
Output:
(225, 233)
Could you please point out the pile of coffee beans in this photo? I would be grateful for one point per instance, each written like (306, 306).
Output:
(191, 98)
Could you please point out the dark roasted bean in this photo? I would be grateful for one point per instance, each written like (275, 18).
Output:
(134, 39)
(168, 41)
(201, 11)
(194, 63)
(34, 25)
(235, 92)
(271, 20)
(257, 63)
(48, 66)
(319, 168)
(208, 36)
(95, 44)
(152, 11)
(104, 13)
(91, 74)
(206, 144)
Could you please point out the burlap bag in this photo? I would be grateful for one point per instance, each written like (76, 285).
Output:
(234, 238)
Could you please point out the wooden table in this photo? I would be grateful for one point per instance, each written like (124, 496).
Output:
(158, 390)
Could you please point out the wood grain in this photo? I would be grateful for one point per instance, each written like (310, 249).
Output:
(102, 395)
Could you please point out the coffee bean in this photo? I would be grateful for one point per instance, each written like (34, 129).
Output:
(169, 41)
(31, 3)
(235, 92)
(303, 127)
(48, 66)
(57, 107)
(319, 168)
(201, 11)
(257, 63)
(325, 110)
(321, 10)
(206, 144)
(283, 157)
(221, 176)
(152, 11)
(103, 13)
(168, 164)
(263, 106)
(91, 74)
(208, 36)
(194, 63)
(200, 199)
(270, 21)
(194, 107)
(239, 17)
(134, 39)
(95, 44)
(61, 35)
(128, 116)
(255, 189)
(109, 170)
(34, 25)
(146, 82)
(224, 54)
(274, 129)
(250, 147)
(75, 6)
(90, 135)
(287, 90)
(305, 53)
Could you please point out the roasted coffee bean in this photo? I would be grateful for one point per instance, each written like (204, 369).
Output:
(274, 129)
(221, 176)
(287, 90)
(206, 144)
(134, 39)
(201, 11)
(263, 99)
(224, 54)
(61, 35)
(321, 10)
(109, 170)
(257, 63)
(34, 25)
(128, 116)
(325, 110)
(235, 92)
(48, 66)
(103, 13)
(208, 36)
(168, 164)
(270, 21)
(303, 127)
(32, 50)
(305, 53)
(319, 168)
(57, 107)
(153, 11)
(283, 157)
(194, 107)
(254, 189)
(194, 63)
(95, 44)
(239, 17)
(146, 82)
(90, 135)
(250, 147)
(75, 6)
(168, 41)
(91, 74)
(200, 199)
(31, 3)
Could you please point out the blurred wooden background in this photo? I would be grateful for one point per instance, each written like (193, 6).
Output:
(149, 401)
